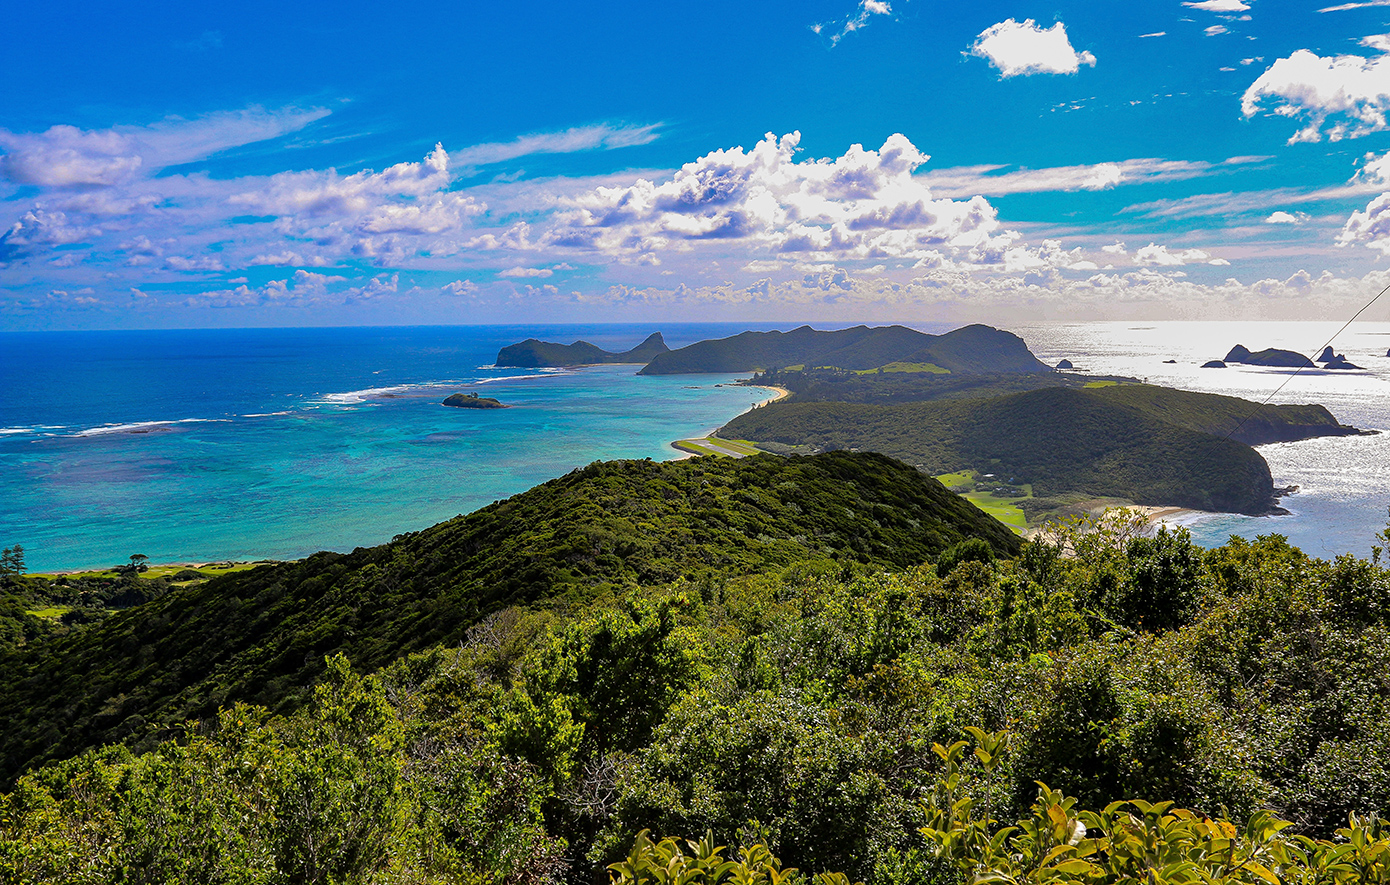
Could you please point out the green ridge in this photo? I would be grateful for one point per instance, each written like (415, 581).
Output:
(970, 349)
(262, 635)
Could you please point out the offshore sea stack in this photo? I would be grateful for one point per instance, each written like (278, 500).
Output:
(1272, 356)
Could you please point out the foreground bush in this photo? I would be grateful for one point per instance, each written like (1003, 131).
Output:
(1126, 843)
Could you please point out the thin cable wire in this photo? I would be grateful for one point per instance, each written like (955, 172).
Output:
(1301, 368)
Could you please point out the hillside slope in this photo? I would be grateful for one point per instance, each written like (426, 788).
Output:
(970, 349)
(1245, 421)
(262, 635)
(1060, 440)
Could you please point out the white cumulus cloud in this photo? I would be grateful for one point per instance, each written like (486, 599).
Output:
(1018, 48)
(1352, 89)
(864, 204)
(1370, 228)
(1281, 217)
(1154, 255)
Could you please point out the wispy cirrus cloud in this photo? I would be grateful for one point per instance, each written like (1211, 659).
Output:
(98, 187)
(991, 180)
(1346, 7)
(582, 138)
(857, 21)
(69, 157)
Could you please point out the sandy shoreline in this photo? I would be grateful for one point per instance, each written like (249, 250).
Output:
(782, 393)
(1165, 514)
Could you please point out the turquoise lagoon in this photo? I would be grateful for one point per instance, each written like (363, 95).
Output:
(194, 446)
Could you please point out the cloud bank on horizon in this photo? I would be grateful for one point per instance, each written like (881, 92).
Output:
(876, 161)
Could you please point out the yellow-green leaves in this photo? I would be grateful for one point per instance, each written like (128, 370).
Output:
(1136, 842)
(666, 863)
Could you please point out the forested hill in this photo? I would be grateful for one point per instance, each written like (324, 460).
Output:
(533, 353)
(1060, 440)
(970, 349)
(262, 635)
(1240, 419)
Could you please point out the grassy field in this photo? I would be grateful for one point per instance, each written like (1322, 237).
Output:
(957, 480)
(1004, 509)
(1095, 384)
(932, 368)
(724, 448)
(159, 571)
(53, 612)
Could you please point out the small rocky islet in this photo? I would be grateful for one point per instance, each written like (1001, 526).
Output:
(1288, 359)
(473, 401)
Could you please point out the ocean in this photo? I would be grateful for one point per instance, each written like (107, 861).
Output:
(210, 445)
(1344, 482)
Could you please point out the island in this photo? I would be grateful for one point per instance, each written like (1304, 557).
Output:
(535, 354)
(1272, 356)
(473, 401)
(1339, 362)
(971, 349)
(1064, 442)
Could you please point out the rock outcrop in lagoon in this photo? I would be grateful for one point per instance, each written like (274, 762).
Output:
(473, 401)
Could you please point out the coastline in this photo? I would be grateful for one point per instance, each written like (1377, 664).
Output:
(782, 393)
(1167, 515)
(690, 447)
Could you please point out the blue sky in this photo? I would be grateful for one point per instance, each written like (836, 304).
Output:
(296, 164)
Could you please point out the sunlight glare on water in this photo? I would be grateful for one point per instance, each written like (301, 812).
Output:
(1344, 482)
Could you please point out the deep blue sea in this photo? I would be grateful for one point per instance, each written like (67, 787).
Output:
(195, 446)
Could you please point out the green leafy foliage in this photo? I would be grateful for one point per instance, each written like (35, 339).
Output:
(260, 636)
(666, 863)
(1132, 841)
(1197, 716)
(349, 791)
